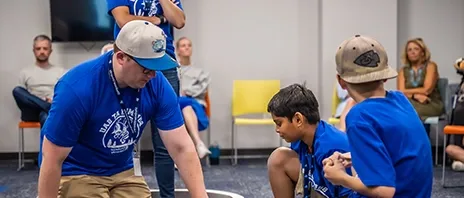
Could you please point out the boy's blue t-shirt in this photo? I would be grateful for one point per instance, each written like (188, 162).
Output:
(327, 140)
(146, 8)
(86, 115)
(389, 145)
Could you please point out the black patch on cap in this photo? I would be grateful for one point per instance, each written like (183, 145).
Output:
(368, 59)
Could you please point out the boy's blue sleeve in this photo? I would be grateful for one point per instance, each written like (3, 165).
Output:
(111, 4)
(66, 117)
(168, 115)
(179, 4)
(369, 156)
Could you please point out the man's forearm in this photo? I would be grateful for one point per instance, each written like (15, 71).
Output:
(173, 14)
(189, 167)
(49, 179)
(356, 185)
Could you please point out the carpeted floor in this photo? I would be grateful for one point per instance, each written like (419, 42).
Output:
(249, 179)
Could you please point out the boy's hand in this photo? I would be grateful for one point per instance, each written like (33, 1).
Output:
(346, 159)
(334, 170)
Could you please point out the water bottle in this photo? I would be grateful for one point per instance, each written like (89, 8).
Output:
(215, 153)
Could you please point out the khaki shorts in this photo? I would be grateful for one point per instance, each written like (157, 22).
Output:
(299, 188)
(121, 185)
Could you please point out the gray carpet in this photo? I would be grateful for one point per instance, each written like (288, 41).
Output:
(249, 179)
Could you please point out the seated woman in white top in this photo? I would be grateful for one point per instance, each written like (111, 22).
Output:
(194, 84)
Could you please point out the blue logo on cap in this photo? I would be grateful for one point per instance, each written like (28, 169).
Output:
(158, 46)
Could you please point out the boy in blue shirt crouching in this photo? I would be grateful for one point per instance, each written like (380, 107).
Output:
(298, 170)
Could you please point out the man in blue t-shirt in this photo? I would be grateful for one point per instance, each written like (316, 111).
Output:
(298, 169)
(165, 14)
(390, 151)
(99, 111)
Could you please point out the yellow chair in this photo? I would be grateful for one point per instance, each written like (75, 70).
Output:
(251, 97)
(335, 101)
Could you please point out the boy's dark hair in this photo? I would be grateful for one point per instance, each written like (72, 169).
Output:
(292, 99)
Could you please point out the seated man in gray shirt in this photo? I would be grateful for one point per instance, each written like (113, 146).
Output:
(34, 93)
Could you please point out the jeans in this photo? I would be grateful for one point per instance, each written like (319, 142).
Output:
(33, 109)
(164, 165)
(427, 129)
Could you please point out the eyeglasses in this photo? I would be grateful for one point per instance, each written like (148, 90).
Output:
(145, 70)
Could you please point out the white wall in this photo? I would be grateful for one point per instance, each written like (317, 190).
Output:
(293, 41)
(343, 19)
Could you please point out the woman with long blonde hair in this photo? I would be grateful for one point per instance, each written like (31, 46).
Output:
(418, 79)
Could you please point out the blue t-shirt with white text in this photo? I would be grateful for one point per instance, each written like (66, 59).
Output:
(389, 145)
(86, 115)
(146, 8)
(327, 140)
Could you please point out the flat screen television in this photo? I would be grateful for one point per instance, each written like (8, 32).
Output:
(80, 21)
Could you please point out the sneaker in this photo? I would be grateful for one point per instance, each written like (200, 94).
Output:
(457, 166)
(202, 151)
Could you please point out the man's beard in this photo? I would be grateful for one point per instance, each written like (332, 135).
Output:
(41, 59)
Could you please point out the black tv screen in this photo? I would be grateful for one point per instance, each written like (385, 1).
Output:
(80, 21)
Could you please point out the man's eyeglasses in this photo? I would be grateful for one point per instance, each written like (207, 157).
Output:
(145, 70)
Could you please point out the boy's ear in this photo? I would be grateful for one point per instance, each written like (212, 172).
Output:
(298, 118)
(341, 82)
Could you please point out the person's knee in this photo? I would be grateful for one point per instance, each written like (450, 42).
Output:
(18, 90)
(187, 108)
(452, 150)
(279, 157)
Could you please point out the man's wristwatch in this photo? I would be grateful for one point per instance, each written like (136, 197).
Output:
(162, 19)
(412, 97)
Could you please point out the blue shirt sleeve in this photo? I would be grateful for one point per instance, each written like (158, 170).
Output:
(168, 115)
(111, 4)
(179, 4)
(369, 156)
(66, 117)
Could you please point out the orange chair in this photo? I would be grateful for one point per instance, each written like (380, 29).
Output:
(449, 130)
(21, 126)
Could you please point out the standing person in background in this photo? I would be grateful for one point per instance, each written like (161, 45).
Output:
(165, 14)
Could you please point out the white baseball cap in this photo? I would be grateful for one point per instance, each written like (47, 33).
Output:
(146, 43)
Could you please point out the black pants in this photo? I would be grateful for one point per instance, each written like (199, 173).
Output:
(33, 109)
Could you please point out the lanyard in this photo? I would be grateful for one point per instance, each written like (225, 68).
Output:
(132, 125)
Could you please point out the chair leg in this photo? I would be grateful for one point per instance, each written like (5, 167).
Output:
(436, 144)
(234, 144)
(444, 164)
(208, 141)
(20, 149)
